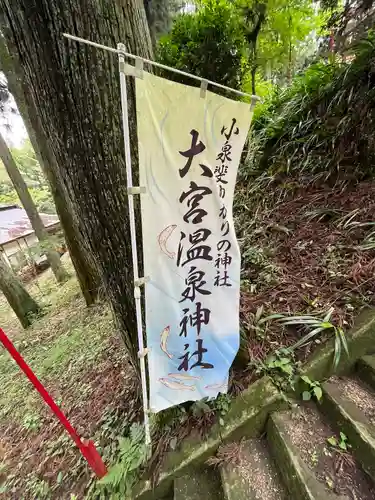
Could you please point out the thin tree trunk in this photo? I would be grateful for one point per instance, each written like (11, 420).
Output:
(19, 299)
(289, 73)
(84, 266)
(76, 93)
(31, 210)
(253, 75)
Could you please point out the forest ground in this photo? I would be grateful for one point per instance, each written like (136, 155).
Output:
(304, 249)
(76, 353)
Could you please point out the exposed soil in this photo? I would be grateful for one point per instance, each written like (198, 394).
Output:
(359, 394)
(336, 469)
(311, 258)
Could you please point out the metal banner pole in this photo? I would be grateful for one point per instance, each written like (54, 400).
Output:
(158, 65)
(137, 281)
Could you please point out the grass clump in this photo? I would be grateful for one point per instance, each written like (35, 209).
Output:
(323, 124)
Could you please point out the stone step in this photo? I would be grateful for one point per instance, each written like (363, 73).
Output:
(203, 483)
(366, 370)
(350, 406)
(311, 468)
(251, 474)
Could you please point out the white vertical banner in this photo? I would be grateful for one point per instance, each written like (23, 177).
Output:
(189, 150)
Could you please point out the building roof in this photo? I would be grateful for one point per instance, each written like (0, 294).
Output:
(14, 223)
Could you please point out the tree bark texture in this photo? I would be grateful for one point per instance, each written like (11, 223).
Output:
(75, 89)
(84, 266)
(28, 204)
(17, 296)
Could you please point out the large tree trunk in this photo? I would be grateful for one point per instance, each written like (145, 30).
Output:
(28, 204)
(84, 266)
(19, 300)
(76, 92)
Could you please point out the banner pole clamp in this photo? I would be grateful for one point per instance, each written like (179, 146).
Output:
(136, 190)
(127, 69)
(204, 87)
(253, 103)
(141, 281)
(143, 354)
(139, 68)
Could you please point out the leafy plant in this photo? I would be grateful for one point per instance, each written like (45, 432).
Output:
(329, 109)
(322, 214)
(259, 267)
(199, 408)
(369, 241)
(347, 221)
(314, 389)
(341, 443)
(259, 323)
(38, 488)
(222, 406)
(132, 454)
(208, 43)
(316, 326)
(32, 422)
(281, 368)
(314, 458)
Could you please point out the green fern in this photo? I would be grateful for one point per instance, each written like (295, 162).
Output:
(122, 476)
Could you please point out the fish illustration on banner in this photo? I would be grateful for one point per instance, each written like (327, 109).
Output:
(189, 151)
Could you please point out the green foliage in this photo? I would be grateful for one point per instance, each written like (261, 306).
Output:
(224, 41)
(222, 405)
(122, 476)
(260, 270)
(34, 178)
(315, 326)
(258, 323)
(282, 369)
(38, 488)
(324, 123)
(28, 165)
(208, 43)
(273, 113)
(288, 37)
(341, 443)
(51, 351)
(31, 422)
(314, 389)
(41, 196)
(369, 241)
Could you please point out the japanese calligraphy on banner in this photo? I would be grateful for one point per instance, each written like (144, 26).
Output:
(189, 149)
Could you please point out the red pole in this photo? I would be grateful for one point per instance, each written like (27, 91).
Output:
(87, 449)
